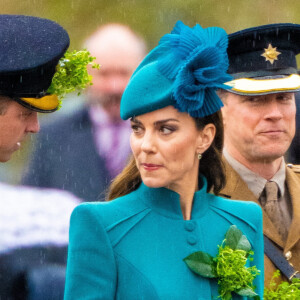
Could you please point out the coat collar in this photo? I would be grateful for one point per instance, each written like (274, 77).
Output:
(167, 203)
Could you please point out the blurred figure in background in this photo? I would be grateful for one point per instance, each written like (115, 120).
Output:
(34, 226)
(83, 151)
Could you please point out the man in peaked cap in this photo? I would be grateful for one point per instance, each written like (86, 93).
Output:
(30, 49)
(92, 143)
(259, 121)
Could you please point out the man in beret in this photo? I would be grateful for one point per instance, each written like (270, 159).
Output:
(259, 121)
(30, 49)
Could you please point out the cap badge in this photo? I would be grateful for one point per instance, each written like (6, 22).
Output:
(271, 54)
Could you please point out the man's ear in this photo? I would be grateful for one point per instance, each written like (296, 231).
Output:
(206, 137)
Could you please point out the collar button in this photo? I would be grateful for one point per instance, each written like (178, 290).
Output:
(189, 226)
(192, 240)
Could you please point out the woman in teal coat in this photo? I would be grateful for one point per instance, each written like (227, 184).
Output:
(135, 246)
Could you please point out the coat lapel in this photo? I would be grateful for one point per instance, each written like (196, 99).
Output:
(237, 189)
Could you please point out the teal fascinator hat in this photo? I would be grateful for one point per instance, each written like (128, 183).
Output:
(184, 70)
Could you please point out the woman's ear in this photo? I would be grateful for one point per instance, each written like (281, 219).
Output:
(206, 137)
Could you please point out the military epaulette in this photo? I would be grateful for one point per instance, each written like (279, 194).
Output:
(295, 168)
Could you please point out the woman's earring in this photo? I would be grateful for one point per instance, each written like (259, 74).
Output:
(199, 155)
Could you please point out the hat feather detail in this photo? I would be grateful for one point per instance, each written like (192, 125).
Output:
(197, 62)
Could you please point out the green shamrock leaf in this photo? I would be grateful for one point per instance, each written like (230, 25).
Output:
(236, 240)
(201, 263)
(246, 292)
(71, 73)
(229, 266)
(284, 290)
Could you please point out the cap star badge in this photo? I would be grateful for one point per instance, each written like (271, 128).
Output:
(271, 54)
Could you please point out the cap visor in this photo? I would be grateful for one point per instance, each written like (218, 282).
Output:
(251, 86)
(46, 104)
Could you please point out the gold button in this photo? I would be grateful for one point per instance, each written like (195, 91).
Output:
(288, 255)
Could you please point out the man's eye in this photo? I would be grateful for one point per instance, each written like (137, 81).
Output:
(254, 99)
(284, 97)
(25, 115)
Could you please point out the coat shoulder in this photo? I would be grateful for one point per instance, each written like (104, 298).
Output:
(246, 211)
(113, 212)
(294, 168)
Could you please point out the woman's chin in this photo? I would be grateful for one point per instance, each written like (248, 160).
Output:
(153, 183)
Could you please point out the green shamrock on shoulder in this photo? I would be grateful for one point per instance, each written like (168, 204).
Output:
(229, 266)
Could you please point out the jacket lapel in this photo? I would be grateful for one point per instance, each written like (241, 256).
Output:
(237, 189)
(294, 190)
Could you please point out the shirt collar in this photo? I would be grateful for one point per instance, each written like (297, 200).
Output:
(98, 115)
(100, 118)
(167, 202)
(255, 182)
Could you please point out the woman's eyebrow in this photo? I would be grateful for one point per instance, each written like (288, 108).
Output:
(165, 121)
(137, 121)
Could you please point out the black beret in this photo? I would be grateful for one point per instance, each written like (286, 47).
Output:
(266, 52)
(30, 49)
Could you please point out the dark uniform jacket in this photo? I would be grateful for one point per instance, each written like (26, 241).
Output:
(236, 188)
(66, 158)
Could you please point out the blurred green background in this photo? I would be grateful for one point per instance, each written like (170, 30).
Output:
(151, 19)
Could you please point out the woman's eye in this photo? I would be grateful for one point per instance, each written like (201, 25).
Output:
(136, 129)
(166, 130)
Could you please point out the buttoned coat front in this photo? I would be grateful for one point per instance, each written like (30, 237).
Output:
(236, 188)
(133, 247)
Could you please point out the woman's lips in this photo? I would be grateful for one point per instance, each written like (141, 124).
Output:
(151, 167)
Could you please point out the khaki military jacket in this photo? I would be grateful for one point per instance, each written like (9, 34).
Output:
(236, 188)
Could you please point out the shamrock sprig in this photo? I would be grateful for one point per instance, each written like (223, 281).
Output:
(284, 290)
(71, 73)
(229, 266)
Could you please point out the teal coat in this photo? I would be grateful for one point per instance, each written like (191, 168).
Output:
(132, 248)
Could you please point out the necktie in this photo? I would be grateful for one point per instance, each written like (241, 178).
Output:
(272, 208)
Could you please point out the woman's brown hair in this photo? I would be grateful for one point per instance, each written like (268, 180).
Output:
(211, 165)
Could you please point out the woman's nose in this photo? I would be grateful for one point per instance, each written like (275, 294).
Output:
(148, 143)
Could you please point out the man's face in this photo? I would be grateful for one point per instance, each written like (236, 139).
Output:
(259, 128)
(16, 122)
(110, 81)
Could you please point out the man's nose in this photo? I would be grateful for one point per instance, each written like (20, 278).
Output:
(33, 125)
(273, 110)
